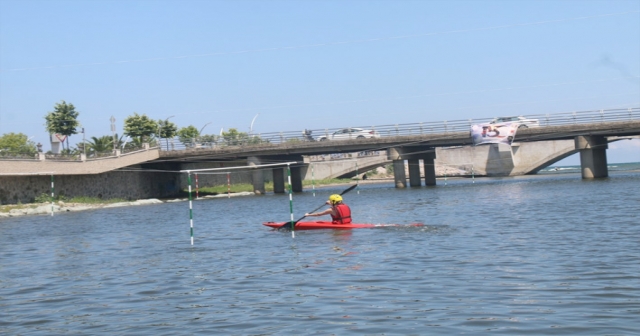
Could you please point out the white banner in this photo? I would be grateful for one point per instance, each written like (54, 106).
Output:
(493, 133)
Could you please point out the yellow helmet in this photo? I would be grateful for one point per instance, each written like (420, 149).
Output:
(335, 198)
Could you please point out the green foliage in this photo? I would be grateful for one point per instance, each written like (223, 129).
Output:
(389, 168)
(268, 186)
(166, 129)
(43, 198)
(188, 134)
(63, 120)
(140, 127)
(94, 200)
(234, 137)
(16, 143)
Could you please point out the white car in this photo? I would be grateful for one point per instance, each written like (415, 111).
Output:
(350, 133)
(524, 122)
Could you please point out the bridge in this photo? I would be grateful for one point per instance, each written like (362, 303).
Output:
(562, 134)
(587, 132)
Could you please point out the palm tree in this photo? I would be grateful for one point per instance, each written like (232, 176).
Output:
(100, 145)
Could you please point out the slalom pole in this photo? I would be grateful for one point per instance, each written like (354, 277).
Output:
(52, 194)
(473, 177)
(445, 175)
(357, 179)
(313, 185)
(197, 196)
(293, 226)
(190, 206)
(228, 185)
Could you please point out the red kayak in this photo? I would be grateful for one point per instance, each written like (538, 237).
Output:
(328, 225)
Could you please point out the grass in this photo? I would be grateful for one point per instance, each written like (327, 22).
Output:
(214, 190)
(268, 186)
(40, 201)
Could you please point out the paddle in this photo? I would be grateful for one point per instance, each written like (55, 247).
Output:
(316, 209)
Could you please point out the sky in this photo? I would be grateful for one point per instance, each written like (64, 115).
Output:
(269, 66)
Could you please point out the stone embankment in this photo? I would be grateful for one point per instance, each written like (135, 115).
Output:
(57, 207)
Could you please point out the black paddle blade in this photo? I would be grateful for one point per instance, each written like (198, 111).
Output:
(348, 189)
(286, 226)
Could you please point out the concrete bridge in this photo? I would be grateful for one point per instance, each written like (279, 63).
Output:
(423, 146)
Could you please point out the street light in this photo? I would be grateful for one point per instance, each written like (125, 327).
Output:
(160, 128)
(205, 125)
(251, 127)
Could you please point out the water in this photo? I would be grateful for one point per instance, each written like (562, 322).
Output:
(531, 255)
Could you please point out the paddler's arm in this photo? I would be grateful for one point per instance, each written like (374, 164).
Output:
(325, 212)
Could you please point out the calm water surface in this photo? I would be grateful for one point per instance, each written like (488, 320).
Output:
(546, 254)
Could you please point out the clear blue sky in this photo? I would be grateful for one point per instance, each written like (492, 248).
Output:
(315, 64)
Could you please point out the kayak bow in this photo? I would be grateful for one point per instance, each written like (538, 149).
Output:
(317, 225)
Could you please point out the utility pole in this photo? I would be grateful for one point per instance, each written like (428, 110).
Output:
(113, 131)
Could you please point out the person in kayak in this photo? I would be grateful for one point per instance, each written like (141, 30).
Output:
(340, 212)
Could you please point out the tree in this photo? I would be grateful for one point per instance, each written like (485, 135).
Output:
(167, 130)
(63, 120)
(16, 143)
(103, 144)
(140, 127)
(234, 137)
(188, 134)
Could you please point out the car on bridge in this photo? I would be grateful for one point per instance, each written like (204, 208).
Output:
(350, 133)
(522, 121)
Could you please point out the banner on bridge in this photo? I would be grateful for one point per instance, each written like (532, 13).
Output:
(493, 133)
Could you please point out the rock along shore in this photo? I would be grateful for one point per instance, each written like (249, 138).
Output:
(57, 207)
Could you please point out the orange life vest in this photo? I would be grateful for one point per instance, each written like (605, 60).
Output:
(342, 214)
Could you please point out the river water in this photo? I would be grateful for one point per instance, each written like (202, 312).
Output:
(531, 255)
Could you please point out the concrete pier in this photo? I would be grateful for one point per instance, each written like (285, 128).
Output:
(257, 175)
(278, 180)
(413, 156)
(593, 156)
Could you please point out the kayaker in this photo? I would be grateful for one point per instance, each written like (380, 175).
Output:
(340, 212)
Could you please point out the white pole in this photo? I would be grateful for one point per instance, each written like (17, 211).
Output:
(293, 234)
(52, 195)
(190, 206)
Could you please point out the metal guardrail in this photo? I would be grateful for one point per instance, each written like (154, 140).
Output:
(557, 119)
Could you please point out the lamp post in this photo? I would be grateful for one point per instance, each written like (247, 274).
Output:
(252, 121)
(160, 128)
(200, 132)
(205, 125)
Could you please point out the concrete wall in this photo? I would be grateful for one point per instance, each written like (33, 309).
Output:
(504, 160)
(118, 184)
(219, 177)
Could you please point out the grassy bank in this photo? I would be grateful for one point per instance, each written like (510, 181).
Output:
(268, 186)
(215, 190)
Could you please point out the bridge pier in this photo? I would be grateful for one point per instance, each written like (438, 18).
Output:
(413, 156)
(593, 155)
(399, 176)
(414, 172)
(279, 175)
(278, 180)
(257, 175)
(429, 167)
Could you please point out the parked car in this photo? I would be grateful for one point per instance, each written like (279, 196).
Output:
(350, 133)
(524, 122)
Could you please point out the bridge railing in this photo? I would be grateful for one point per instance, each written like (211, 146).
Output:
(393, 130)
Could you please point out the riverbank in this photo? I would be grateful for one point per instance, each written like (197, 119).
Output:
(17, 210)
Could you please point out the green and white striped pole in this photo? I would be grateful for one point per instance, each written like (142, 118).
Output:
(473, 176)
(293, 234)
(52, 194)
(357, 179)
(313, 185)
(190, 205)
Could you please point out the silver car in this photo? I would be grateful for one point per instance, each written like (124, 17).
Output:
(524, 122)
(350, 133)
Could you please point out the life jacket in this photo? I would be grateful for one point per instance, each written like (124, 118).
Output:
(342, 214)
